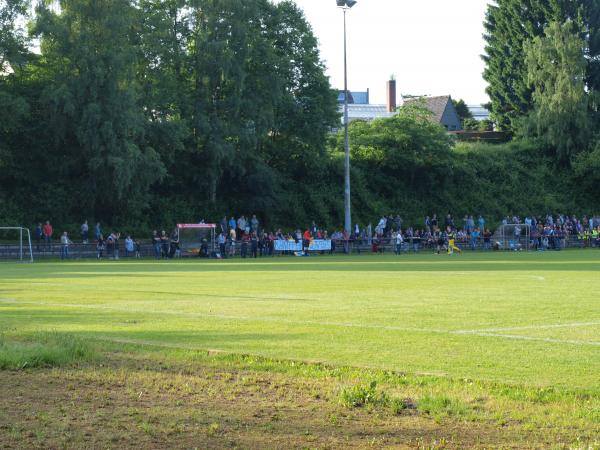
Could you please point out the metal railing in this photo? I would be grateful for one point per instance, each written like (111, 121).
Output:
(43, 250)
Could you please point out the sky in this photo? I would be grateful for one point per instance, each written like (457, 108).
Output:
(432, 47)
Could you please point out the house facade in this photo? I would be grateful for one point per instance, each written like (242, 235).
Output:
(359, 108)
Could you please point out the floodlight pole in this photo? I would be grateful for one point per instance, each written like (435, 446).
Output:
(347, 205)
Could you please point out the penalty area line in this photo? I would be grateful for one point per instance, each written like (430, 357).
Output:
(530, 327)
(538, 339)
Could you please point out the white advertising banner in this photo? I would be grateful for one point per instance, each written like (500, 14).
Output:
(287, 246)
(316, 245)
(320, 245)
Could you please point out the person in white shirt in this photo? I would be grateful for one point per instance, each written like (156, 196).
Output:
(64, 245)
(85, 230)
(398, 240)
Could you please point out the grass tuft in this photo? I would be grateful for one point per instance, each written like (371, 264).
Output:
(363, 395)
(441, 406)
(46, 349)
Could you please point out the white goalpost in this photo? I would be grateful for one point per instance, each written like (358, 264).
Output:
(15, 244)
(514, 237)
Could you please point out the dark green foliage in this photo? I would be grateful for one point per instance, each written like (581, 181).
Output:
(509, 25)
(144, 114)
(462, 110)
(556, 71)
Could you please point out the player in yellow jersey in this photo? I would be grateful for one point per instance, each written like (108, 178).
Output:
(452, 242)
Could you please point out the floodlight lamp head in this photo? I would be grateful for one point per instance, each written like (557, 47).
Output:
(346, 3)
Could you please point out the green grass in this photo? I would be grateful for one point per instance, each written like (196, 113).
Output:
(507, 338)
(43, 350)
(528, 319)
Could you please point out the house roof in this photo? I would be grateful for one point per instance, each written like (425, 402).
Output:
(366, 112)
(354, 98)
(437, 105)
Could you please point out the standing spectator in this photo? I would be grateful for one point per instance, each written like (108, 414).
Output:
(481, 222)
(164, 244)
(39, 235)
(232, 223)
(475, 238)
(138, 247)
(245, 239)
(156, 244)
(64, 246)
(263, 245)
(224, 224)
(116, 238)
(487, 239)
(241, 225)
(306, 238)
(85, 230)
(174, 250)
(398, 240)
(254, 224)
(110, 245)
(129, 246)
(398, 222)
(97, 231)
(47, 231)
(232, 239)
(221, 242)
(254, 245)
(100, 246)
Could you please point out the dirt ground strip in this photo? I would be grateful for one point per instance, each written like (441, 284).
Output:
(125, 404)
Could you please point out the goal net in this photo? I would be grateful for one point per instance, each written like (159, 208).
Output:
(15, 244)
(196, 239)
(513, 237)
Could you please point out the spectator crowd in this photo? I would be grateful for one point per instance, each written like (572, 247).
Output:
(244, 236)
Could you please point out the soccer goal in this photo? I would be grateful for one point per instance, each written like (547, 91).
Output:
(15, 244)
(196, 239)
(513, 237)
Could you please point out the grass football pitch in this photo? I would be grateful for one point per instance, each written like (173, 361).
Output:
(517, 332)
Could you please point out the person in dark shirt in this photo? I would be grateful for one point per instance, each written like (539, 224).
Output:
(164, 244)
(174, 248)
(156, 244)
(100, 247)
(245, 239)
(254, 245)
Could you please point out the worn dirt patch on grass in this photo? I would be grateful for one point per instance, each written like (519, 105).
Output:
(124, 403)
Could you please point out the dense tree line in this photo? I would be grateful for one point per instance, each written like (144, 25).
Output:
(152, 112)
(137, 112)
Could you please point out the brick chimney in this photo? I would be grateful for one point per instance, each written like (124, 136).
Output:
(391, 95)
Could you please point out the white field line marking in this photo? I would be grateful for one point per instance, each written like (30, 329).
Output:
(540, 339)
(530, 327)
(483, 333)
